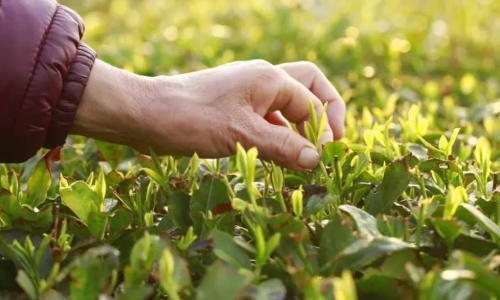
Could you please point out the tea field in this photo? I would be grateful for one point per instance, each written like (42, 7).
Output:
(405, 206)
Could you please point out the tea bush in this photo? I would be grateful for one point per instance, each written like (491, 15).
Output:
(406, 206)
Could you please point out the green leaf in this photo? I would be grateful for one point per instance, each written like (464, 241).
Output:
(91, 272)
(390, 226)
(211, 193)
(375, 285)
(178, 208)
(229, 251)
(277, 177)
(478, 274)
(174, 273)
(429, 145)
(121, 219)
(53, 295)
(474, 244)
(313, 117)
(419, 152)
(3, 171)
(271, 289)
(455, 197)
(157, 162)
(27, 285)
(100, 186)
(251, 161)
(113, 154)
(9, 204)
(334, 149)
(194, 163)
(294, 236)
(136, 293)
(344, 287)
(365, 223)
(39, 220)
(449, 230)
(317, 203)
(38, 184)
(242, 160)
(272, 244)
(393, 264)
(297, 202)
(395, 182)
(157, 178)
(143, 254)
(364, 252)
(435, 164)
(453, 138)
(485, 222)
(335, 237)
(97, 224)
(223, 282)
(309, 130)
(322, 124)
(81, 199)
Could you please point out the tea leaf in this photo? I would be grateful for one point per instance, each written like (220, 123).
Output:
(229, 251)
(486, 223)
(395, 182)
(344, 287)
(97, 224)
(178, 207)
(334, 149)
(211, 193)
(39, 182)
(365, 223)
(223, 282)
(478, 274)
(81, 199)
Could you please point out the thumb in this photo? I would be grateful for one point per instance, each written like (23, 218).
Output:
(283, 146)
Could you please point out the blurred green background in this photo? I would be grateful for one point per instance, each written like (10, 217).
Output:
(382, 54)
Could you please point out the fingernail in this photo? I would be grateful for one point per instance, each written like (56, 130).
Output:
(309, 158)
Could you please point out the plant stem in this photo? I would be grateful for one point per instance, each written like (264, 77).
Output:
(282, 201)
(327, 177)
(228, 185)
(338, 174)
(423, 191)
(421, 220)
(406, 230)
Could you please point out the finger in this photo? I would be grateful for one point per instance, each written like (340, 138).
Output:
(281, 145)
(292, 100)
(247, 62)
(276, 118)
(313, 79)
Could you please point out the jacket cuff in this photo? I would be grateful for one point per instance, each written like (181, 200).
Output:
(74, 85)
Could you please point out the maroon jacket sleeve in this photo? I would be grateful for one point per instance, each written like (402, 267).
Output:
(44, 68)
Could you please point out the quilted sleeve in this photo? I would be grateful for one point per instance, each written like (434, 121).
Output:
(44, 68)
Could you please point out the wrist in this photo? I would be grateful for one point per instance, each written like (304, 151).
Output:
(112, 106)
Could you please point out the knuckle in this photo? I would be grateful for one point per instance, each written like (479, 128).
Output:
(310, 66)
(260, 62)
(340, 104)
(272, 74)
(343, 106)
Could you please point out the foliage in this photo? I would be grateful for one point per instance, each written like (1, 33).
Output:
(406, 206)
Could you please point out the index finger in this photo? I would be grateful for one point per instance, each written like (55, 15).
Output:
(313, 79)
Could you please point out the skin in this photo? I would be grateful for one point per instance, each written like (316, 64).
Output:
(209, 111)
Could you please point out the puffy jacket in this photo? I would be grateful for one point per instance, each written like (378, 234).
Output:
(44, 68)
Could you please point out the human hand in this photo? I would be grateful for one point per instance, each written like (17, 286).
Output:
(209, 111)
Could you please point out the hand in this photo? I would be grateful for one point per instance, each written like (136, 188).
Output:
(209, 111)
